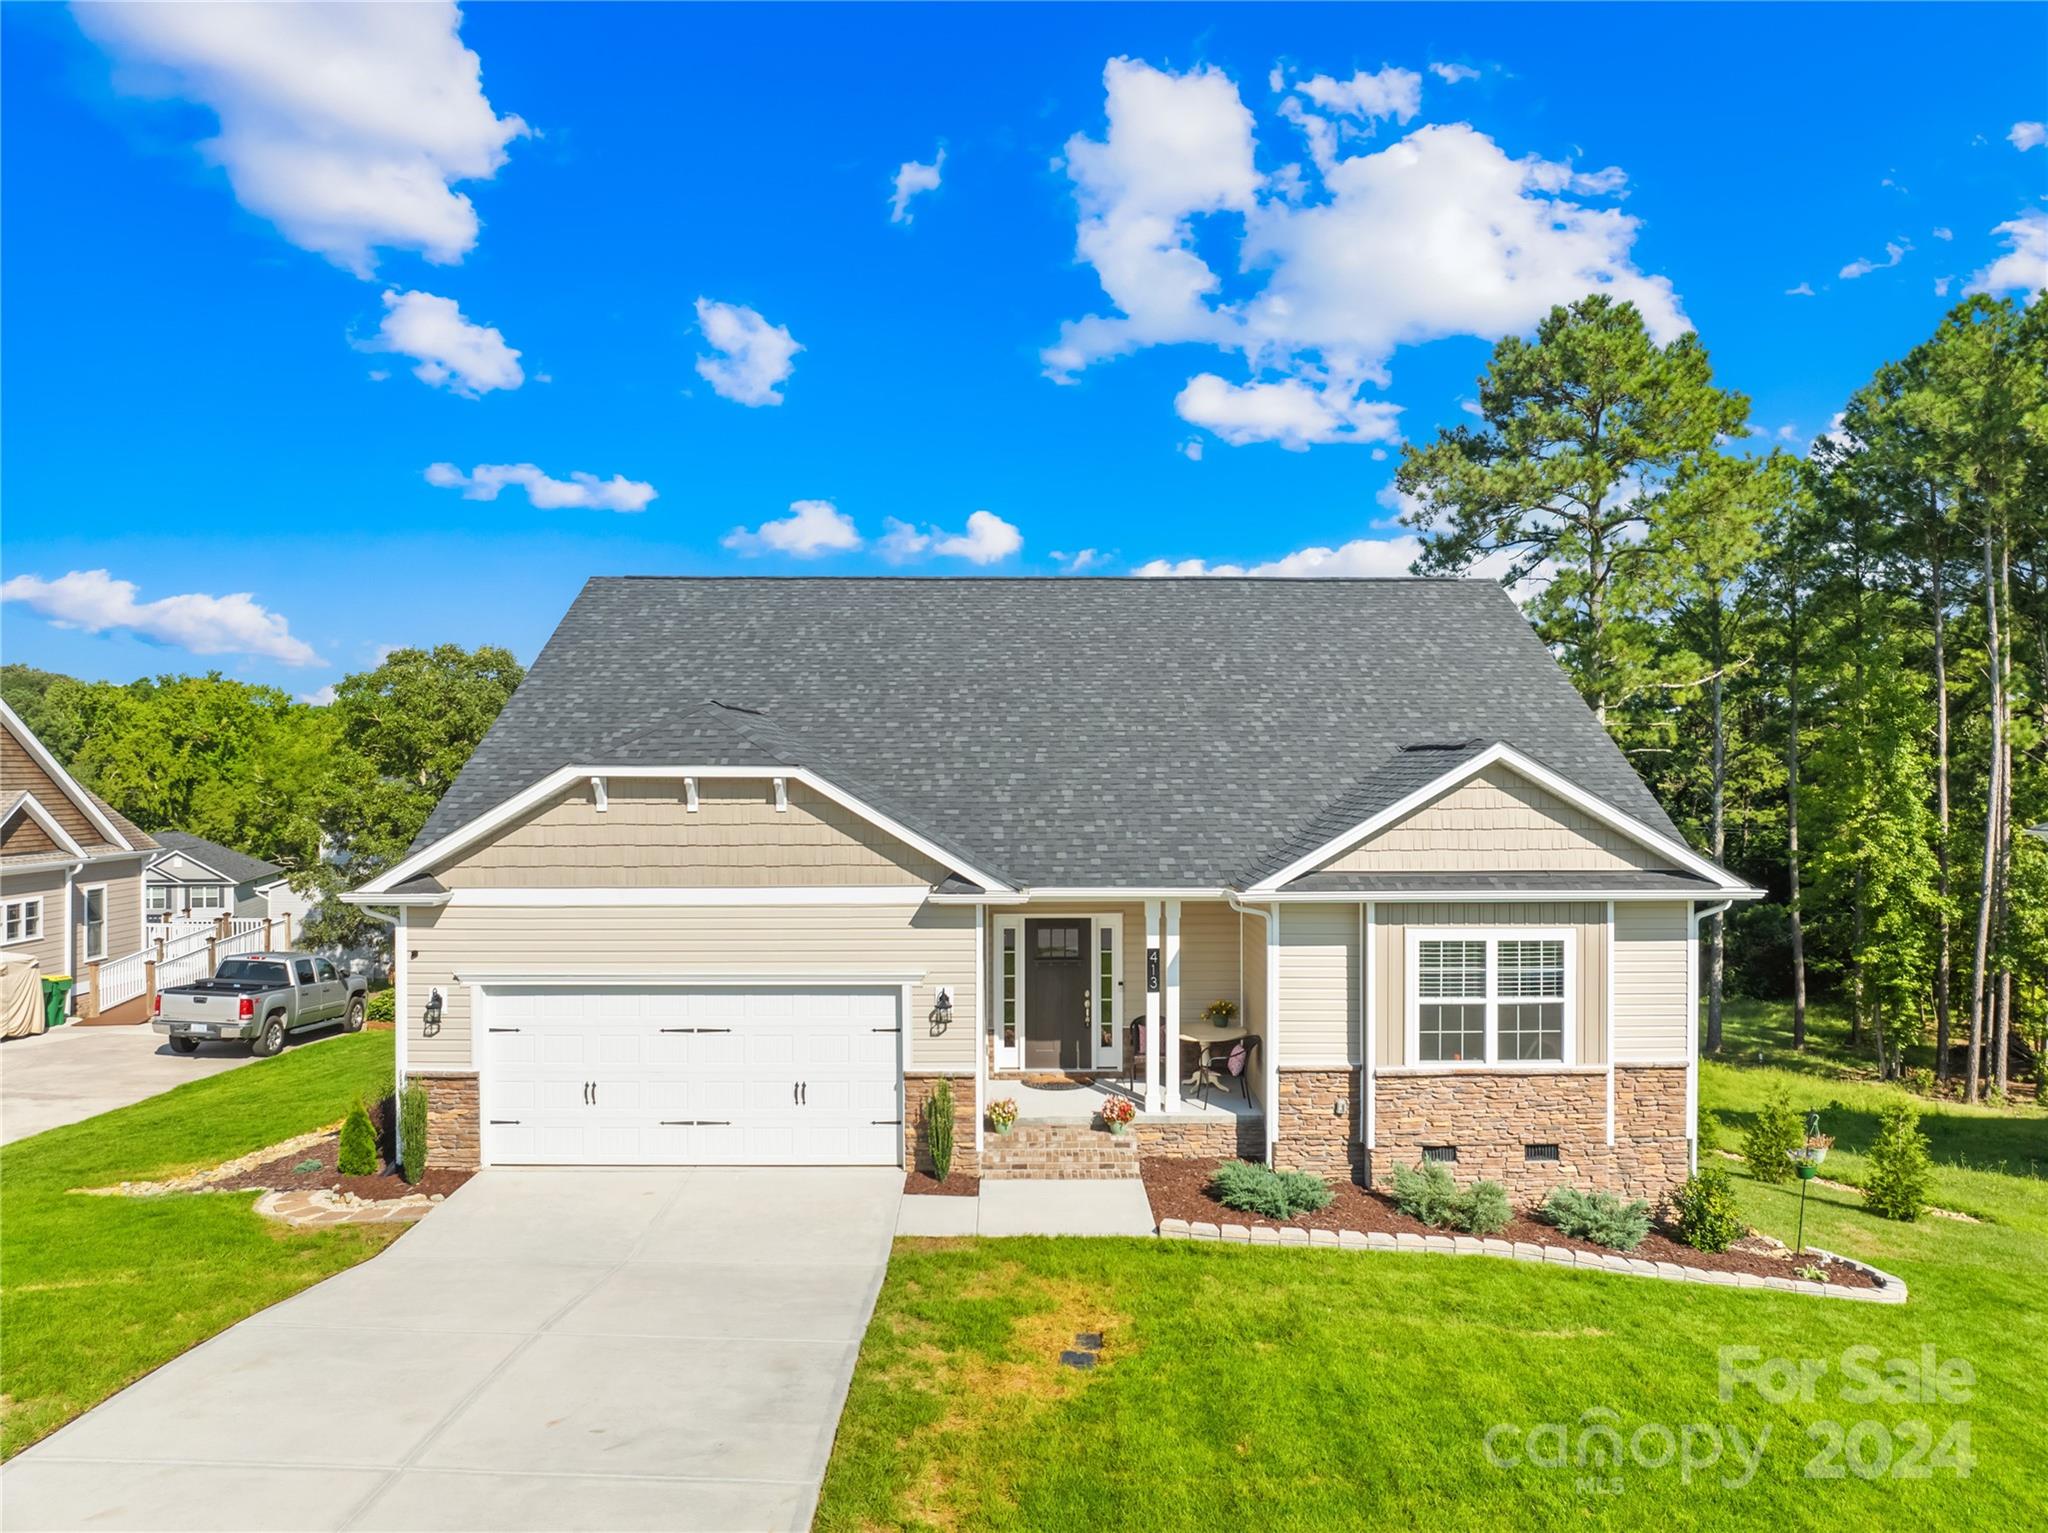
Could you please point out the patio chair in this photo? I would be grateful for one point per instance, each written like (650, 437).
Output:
(1134, 1052)
(1223, 1063)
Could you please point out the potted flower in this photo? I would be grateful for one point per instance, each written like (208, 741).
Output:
(1807, 1158)
(1220, 1012)
(1117, 1113)
(1002, 1116)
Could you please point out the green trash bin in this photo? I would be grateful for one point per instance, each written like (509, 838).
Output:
(56, 998)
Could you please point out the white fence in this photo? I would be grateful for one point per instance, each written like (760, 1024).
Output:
(123, 979)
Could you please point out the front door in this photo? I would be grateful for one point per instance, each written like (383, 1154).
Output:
(1057, 996)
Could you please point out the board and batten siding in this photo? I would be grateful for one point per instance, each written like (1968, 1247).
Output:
(614, 941)
(647, 837)
(1586, 919)
(1496, 822)
(1653, 1011)
(1319, 979)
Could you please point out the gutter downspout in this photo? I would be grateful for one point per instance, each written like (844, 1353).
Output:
(71, 929)
(1271, 1085)
(1692, 1032)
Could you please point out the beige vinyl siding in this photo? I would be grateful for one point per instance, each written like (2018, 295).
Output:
(672, 940)
(1652, 1010)
(1319, 976)
(1586, 919)
(47, 885)
(1253, 933)
(647, 838)
(1208, 956)
(1496, 822)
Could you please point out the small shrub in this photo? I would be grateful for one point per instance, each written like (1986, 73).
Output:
(412, 1130)
(358, 1151)
(938, 1128)
(380, 1006)
(1995, 1096)
(1481, 1209)
(1704, 1207)
(1600, 1217)
(1896, 1185)
(1706, 1129)
(1812, 1272)
(1426, 1191)
(1920, 1081)
(1772, 1138)
(1256, 1189)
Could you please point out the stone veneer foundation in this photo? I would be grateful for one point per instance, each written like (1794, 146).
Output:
(454, 1126)
(917, 1090)
(1491, 1116)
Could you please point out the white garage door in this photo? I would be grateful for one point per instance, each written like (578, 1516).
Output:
(706, 1076)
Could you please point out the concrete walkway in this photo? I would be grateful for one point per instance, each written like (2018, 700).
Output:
(72, 1073)
(549, 1349)
(1030, 1206)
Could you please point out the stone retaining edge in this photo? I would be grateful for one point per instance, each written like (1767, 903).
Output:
(1890, 1290)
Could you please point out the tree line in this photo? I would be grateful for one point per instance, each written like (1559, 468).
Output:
(1831, 669)
(333, 793)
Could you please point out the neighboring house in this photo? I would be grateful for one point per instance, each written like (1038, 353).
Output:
(194, 878)
(70, 866)
(746, 866)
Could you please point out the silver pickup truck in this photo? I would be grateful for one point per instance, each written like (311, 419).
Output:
(260, 997)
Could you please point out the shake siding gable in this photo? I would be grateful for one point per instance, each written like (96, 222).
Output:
(24, 837)
(1497, 822)
(647, 838)
(785, 941)
(1652, 1009)
(1319, 977)
(1586, 919)
(18, 771)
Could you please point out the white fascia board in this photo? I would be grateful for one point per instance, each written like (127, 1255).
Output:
(1125, 892)
(27, 803)
(555, 782)
(784, 979)
(163, 855)
(63, 779)
(1506, 755)
(1512, 897)
(818, 894)
(364, 899)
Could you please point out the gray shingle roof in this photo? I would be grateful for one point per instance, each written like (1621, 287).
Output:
(1054, 732)
(225, 860)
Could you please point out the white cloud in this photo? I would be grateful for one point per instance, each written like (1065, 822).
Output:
(1293, 412)
(987, 539)
(1942, 285)
(346, 126)
(1081, 559)
(1191, 449)
(2027, 135)
(1944, 233)
(1451, 74)
(1395, 93)
(578, 492)
(812, 528)
(94, 601)
(1894, 253)
(2024, 266)
(1438, 234)
(320, 699)
(755, 355)
(913, 177)
(1359, 559)
(1804, 290)
(452, 353)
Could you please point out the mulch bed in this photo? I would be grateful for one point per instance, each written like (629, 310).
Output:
(284, 1175)
(958, 1184)
(1179, 1189)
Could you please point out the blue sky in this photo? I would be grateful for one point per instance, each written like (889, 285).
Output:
(1281, 219)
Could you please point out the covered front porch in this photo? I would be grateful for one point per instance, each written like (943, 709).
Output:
(1162, 1002)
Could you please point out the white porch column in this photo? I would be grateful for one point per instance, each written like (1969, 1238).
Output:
(1271, 1106)
(1152, 1099)
(1169, 1035)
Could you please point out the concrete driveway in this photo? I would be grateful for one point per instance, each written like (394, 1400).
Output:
(549, 1349)
(72, 1072)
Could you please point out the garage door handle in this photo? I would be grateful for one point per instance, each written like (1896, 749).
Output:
(886, 1122)
(796, 1093)
(503, 1122)
(501, 1029)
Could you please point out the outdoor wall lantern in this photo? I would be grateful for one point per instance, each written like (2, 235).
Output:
(942, 1010)
(430, 1020)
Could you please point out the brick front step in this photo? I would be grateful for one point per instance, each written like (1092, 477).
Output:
(1075, 1152)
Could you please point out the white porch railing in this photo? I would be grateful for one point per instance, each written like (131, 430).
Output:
(123, 979)
(241, 926)
(248, 940)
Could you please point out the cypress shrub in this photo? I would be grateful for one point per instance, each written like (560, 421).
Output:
(412, 1130)
(1600, 1217)
(1896, 1186)
(938, 1128)
(358, 1154)
(1771, 1139)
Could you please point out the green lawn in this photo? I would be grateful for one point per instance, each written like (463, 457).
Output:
(97, 1291)
(1310, 1389)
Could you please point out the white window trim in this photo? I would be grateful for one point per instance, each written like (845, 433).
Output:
(17, 911)
(85, 894)
(220, 897)
(156, 899)
(1490, 935)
